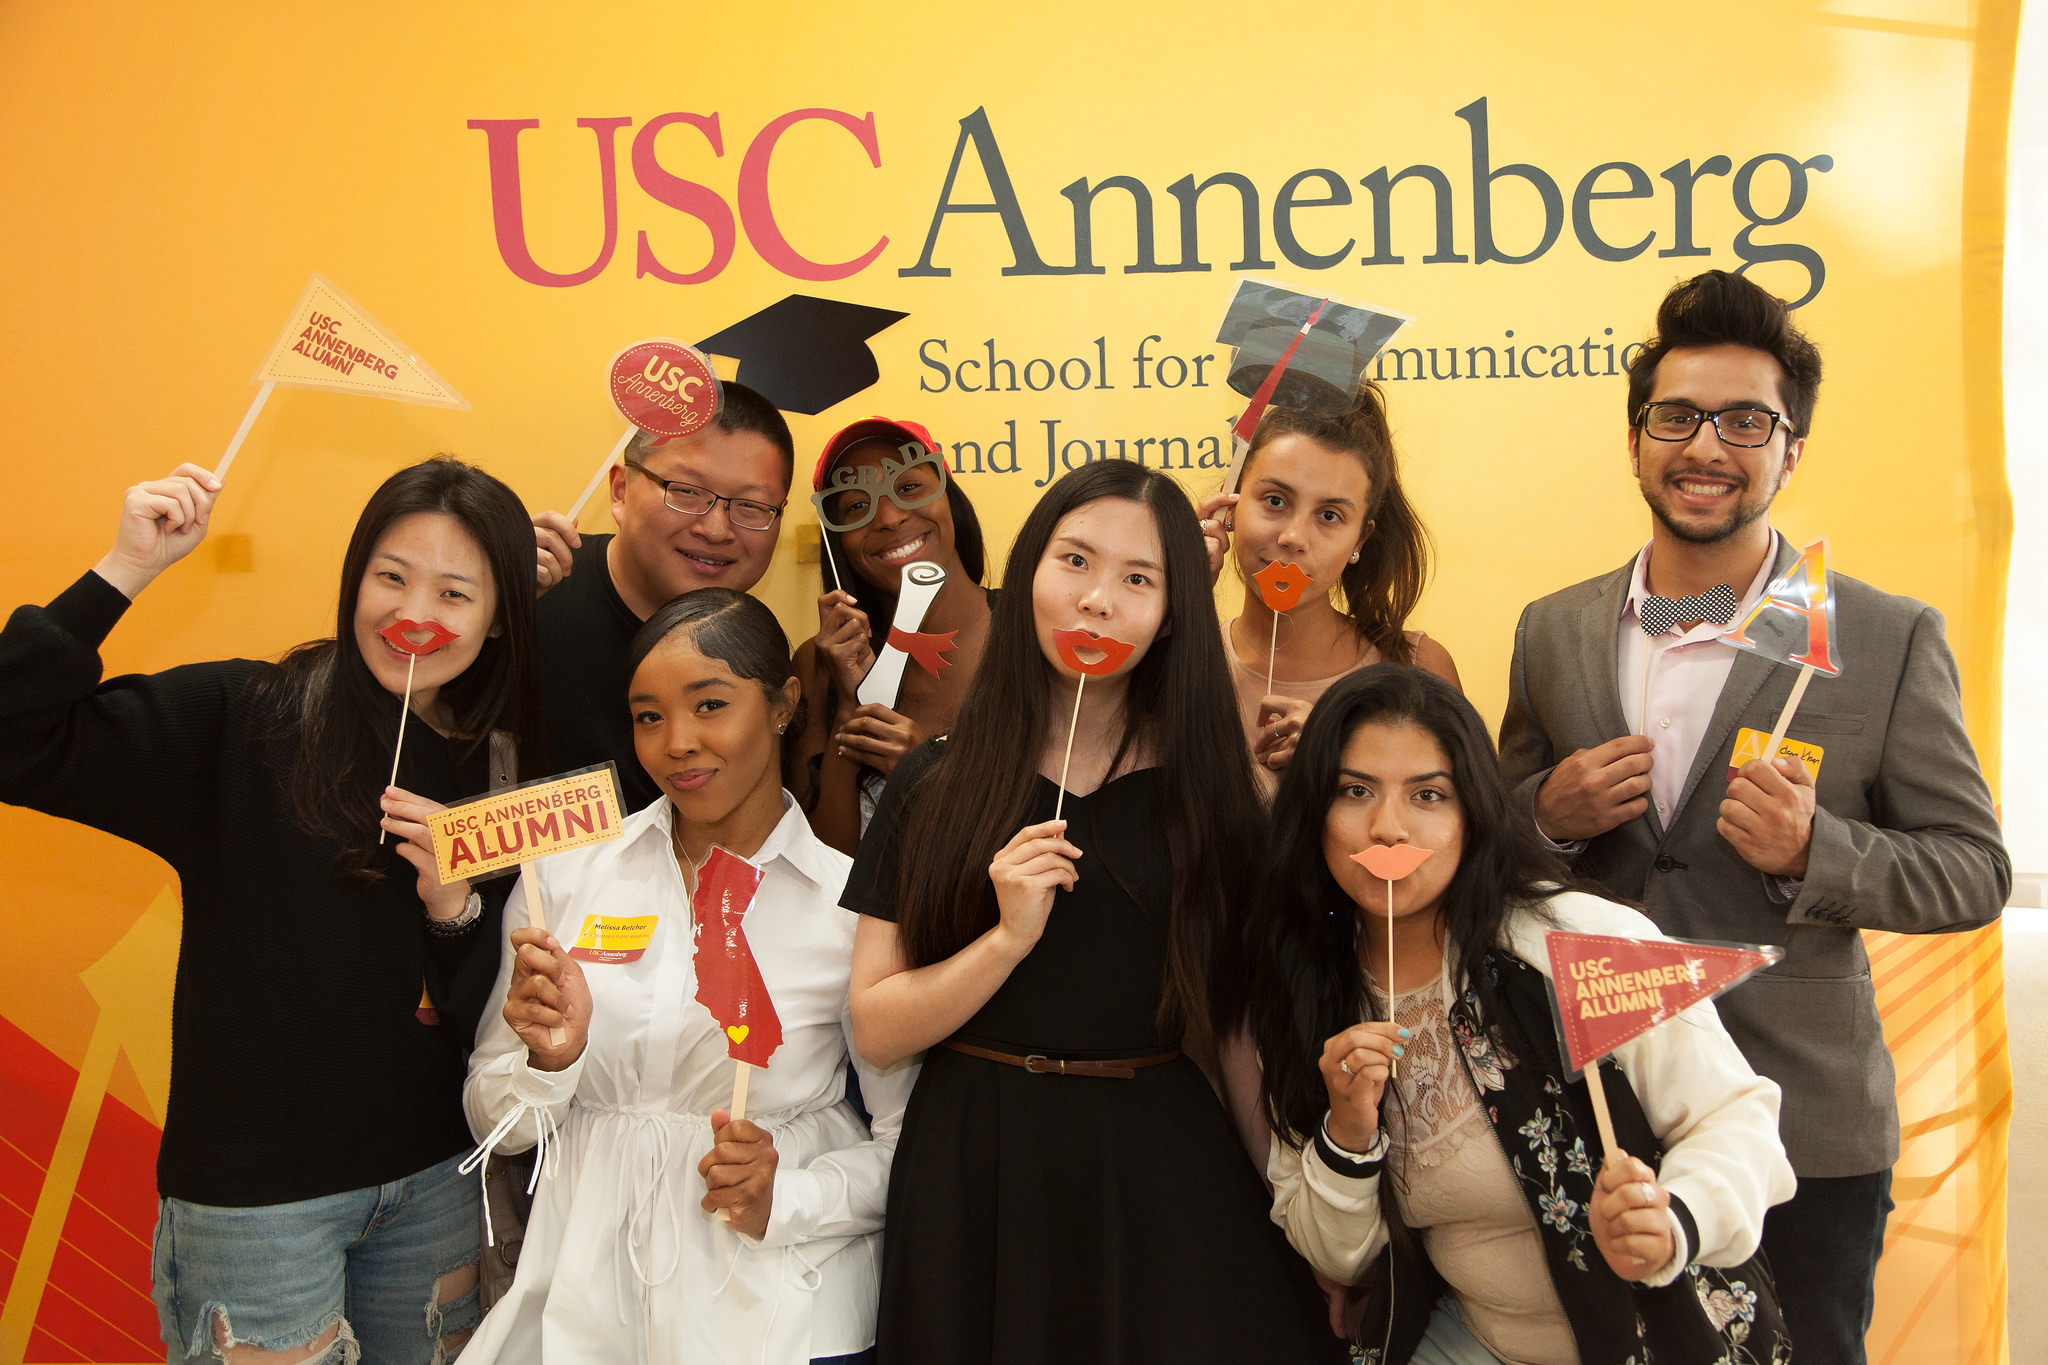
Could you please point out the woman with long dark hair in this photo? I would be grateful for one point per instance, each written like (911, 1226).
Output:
(753, 1238)
(1469, 1192)
(308, 1169)
(1067, 1186)
(898, 506)
(1322, 490)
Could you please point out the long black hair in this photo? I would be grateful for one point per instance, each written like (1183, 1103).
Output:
(1178, 704)
(736, 629)
(1382, 588)
(346, 723)
(1302, 937)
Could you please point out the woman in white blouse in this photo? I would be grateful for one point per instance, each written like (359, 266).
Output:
(661, 1229)
(1468, 1194)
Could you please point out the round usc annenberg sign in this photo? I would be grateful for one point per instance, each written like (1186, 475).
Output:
(664, 387)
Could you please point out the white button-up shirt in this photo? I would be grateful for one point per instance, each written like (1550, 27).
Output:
(621, 1264)
(1674, 680)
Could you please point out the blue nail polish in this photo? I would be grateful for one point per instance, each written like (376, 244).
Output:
(1400, 1051)
(1404, 1033)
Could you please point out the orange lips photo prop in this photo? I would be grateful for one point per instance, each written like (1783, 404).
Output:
(1391, 862)
(1071, 642)
(1281, 585)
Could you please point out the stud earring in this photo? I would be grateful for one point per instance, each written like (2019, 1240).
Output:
(1354, 556)
(781, 727)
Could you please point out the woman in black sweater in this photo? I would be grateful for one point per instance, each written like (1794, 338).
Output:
(310, 1197)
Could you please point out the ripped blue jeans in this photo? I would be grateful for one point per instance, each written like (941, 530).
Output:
(279, 1275)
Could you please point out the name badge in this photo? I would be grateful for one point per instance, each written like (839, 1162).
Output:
(612, 938)
(1749, 747)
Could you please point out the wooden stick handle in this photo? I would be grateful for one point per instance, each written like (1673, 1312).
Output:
(1785, 716)
(1068, 762)
(220, 471)
(825, 545)
(739, 1091)
(1273, 654)
(404, 709)
(1393, 1065)
(537, 918)
(1608, 1145)
(602, 470)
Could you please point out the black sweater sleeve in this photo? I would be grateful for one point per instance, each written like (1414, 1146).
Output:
(134, 756)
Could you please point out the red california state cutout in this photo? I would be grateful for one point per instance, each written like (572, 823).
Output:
(399, 635)
(1610, 990)
(664, 387)
(729, 981)
(1281, 585)
(1113, 651)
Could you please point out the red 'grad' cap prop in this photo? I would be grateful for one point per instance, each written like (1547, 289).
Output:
(729, 981)
(1610, 990)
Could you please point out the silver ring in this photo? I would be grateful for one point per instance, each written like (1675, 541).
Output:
(1345, 1066)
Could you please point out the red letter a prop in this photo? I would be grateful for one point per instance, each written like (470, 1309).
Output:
(1794, 621)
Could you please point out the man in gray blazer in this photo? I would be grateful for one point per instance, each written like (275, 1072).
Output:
(1624, 716)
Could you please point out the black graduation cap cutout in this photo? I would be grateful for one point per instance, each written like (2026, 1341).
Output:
(1296, 350)
(804, 354)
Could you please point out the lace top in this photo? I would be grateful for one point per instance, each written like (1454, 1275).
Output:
(1457, 1190)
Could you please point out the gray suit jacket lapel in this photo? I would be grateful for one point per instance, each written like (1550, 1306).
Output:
(1745, 680)
(1598, 619)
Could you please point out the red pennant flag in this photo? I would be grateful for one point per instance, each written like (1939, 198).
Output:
(729, 981)
(1610, 990)
(1794, 621)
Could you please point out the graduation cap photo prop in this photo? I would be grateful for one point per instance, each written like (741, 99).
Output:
(1606, 990)
(1298, 350)
(1793, 623)
(804, 354)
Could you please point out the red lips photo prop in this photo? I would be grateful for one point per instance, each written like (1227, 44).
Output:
(1391, 862)
(1113, 652)
(399, 635)
(1281, 585)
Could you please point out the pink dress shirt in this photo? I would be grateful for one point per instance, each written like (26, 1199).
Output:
(1686, 670)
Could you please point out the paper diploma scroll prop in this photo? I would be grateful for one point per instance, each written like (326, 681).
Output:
(1070, 643)
(399, 636)
(1280, 588)
(1793, 623)
(1296, 350)
(661, 386)
(331, 342)
(921, 583)
(1390, 863)
(1606, 991)
(729, 981)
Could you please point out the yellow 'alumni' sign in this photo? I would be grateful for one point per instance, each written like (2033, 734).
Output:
(512, 827)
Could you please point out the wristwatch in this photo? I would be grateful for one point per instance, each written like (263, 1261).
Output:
(472, 910)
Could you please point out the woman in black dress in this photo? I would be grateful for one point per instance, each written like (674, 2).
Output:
(1067, 1187)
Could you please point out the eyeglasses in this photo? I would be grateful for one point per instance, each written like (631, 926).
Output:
(686, 497)
(1747, 427)
(849, 502)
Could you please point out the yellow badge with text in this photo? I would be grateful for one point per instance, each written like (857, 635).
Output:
(1749, 747)
(511, 827)
(614, 938)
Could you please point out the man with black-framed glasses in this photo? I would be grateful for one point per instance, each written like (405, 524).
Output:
(696, 511)
(1628, 733)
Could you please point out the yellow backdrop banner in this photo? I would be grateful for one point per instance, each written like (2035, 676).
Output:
(1060, 198)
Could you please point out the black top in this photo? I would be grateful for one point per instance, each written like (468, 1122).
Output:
(299, 1067)
(585, 630)
(1069, 1219)
(1092, 984)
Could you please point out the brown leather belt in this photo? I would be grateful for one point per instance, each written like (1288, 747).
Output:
(1115, 1068)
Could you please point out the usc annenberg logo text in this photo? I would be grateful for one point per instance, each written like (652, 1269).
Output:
(1307, 215)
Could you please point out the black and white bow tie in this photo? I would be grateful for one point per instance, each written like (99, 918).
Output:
(1659, 614)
